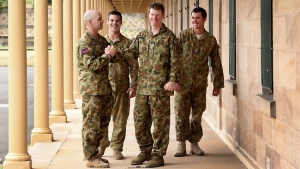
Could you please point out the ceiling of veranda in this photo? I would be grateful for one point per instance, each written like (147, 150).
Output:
(131, 6)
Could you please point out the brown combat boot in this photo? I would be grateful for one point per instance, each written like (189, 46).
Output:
(156, 161)
(96, 163)
(195, 149)
(141, 158)
(102, 159)
(181, 149)
(118, 155)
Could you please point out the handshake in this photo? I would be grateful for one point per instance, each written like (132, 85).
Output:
(110, 51)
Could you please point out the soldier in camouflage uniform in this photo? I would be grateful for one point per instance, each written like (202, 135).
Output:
(93, 56)
(197, 45)
(159, 51)
(122, 90)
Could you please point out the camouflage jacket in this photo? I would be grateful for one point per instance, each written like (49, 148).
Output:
(93, 65)
(195, 59)
(158, 60)
(120, 66)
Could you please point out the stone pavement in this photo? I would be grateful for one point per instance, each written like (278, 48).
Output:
(65, 152)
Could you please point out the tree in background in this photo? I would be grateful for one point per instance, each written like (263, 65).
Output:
(31, 2)
(3, 5)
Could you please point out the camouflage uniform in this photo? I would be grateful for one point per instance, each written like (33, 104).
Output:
(159, 63)
(119, 80)
(194, 82)
(95, 90)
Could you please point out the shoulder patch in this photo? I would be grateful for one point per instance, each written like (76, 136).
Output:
(84, 50)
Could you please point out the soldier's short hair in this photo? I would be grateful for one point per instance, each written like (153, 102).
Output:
(114, 13)
(199, 9)
(157, 6)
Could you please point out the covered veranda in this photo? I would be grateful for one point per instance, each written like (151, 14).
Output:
(56, 139)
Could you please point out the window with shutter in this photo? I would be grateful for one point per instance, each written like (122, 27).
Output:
(211, 17)
(188, 13)
(267, 46)
(232, 39)
(197, 3)
(210, 25)
(181, 15)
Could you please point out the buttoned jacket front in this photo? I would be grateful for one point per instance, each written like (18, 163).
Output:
(159, 60)
(195, 53)
(92, 63)
(121, 67)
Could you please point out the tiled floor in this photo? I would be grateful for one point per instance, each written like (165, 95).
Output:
(65, 152)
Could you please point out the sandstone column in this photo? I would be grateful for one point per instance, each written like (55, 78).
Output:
(68, 55)
(95, 4)
(92, 4)
(57, 115)
(88, 5)
(76, 36)
(17, 156)
(41, 131)
(82, 11)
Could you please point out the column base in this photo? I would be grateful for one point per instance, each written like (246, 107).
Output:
(57, 119)
(17, 164)
(35, 138)
(77, 96)
(69, 106)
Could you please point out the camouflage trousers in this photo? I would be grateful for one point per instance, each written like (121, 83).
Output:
(154, 109)
(189, 102)
(96, 112)
(120, 113)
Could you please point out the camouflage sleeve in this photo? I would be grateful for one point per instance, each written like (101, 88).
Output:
(217, 67)
(88, 58)
(179, 37)
(133, 50)
(175, 53)
(134, 69)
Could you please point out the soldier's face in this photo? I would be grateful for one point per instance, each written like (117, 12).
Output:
(197, 20)
(97, 22)
(156, 17)
(114, 22)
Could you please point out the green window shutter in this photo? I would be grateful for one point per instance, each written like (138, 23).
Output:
(267, 44)
(181, 15)
(211, 16)
(232, 39)
(188, 13)
(197, 3)
(210, 6)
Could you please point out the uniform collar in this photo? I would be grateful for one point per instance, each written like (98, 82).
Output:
(90, 35)
(121, 37)
(162, 29)
(191, 31)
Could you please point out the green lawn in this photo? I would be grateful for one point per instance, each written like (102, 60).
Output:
(1, 166)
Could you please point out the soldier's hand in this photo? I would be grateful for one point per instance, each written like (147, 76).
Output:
(132, 92)
(177, 87)
(112, 51)
(216, 92)
(170, 86)
(106, 50)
